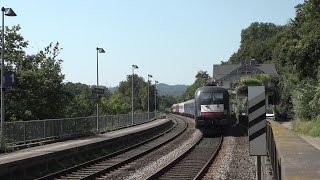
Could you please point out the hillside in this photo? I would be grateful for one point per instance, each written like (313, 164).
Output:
(164, 89)
(171, 90)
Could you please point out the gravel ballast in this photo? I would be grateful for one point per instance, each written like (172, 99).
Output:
(151, 168)
(233, 161)
(146, 166)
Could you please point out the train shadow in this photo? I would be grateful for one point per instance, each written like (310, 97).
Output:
(237, 130)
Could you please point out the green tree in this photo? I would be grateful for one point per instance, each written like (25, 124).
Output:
(255, 43)
(165, 102)
(303, 97)
(120, 101)
(116, 105)
(294, 49)
(201, 78)
(40, 93)
(83, 100)
(203, 75)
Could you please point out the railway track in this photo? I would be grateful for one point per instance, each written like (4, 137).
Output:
(100, 166)
(194, 163)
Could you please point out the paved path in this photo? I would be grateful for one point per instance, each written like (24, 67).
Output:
(315, 141)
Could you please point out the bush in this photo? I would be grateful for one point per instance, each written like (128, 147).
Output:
(315, 102)
(306, 102)
(303, 99)
(250, 81)
(4, 147)
(167, 110)
(263, 78)
(280, 112)
(311, 128)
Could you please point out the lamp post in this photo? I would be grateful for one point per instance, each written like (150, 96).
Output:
(7, 12)
(133, 67)
(155, 98)
(149, 76)
(99, 50)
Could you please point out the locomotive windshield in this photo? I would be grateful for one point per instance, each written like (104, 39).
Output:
(211, 98)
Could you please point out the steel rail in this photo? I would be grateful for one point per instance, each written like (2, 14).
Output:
(174, 162)
(206, 167)
(107, 157)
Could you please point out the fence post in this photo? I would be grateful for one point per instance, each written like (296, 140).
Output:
(134, 115)
(75, 126)
(44, 129)
(128, 120)
(112, 124)
(24, 132)
(61, 129)
(118, 121)
(104, 127)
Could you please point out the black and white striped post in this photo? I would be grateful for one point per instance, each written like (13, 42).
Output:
(257, 124)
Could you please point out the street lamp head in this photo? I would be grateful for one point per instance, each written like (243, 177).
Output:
(156, 82)
(135, 66)
(100, 50)
(149, 75)
(8, 11)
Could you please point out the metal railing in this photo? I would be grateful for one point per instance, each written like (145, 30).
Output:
(22, 132)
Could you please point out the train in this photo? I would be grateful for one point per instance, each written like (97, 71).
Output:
(211, 109)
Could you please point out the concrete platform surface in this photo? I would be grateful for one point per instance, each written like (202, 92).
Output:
(70, 144)
(314, 141)
(298, 159)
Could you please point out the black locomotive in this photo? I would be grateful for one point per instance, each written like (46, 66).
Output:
(212, 108)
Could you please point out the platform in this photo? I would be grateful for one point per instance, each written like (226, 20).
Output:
(28, 157)
(297, 158)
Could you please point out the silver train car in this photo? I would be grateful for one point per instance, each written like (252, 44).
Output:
(186, 108)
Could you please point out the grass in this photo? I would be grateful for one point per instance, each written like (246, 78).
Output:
(311, 128)
(4, 148)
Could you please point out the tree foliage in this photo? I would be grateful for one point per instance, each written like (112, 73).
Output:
(250, 81)
(83, 100)
(201, 78)
(304, 100)
(120, 101)
(40, 92)
(255, 43)
(294, 48)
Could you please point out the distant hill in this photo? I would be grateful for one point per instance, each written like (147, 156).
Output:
(165, 89)
(113, 89)
(171, 90)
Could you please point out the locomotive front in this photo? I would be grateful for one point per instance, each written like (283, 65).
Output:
(212, 107)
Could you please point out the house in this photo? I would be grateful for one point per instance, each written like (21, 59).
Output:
(226, 74)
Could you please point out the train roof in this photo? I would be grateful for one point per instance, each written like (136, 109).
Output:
(189, 101)
(212, 88)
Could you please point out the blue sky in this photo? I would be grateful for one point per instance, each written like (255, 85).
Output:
(170, 39)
